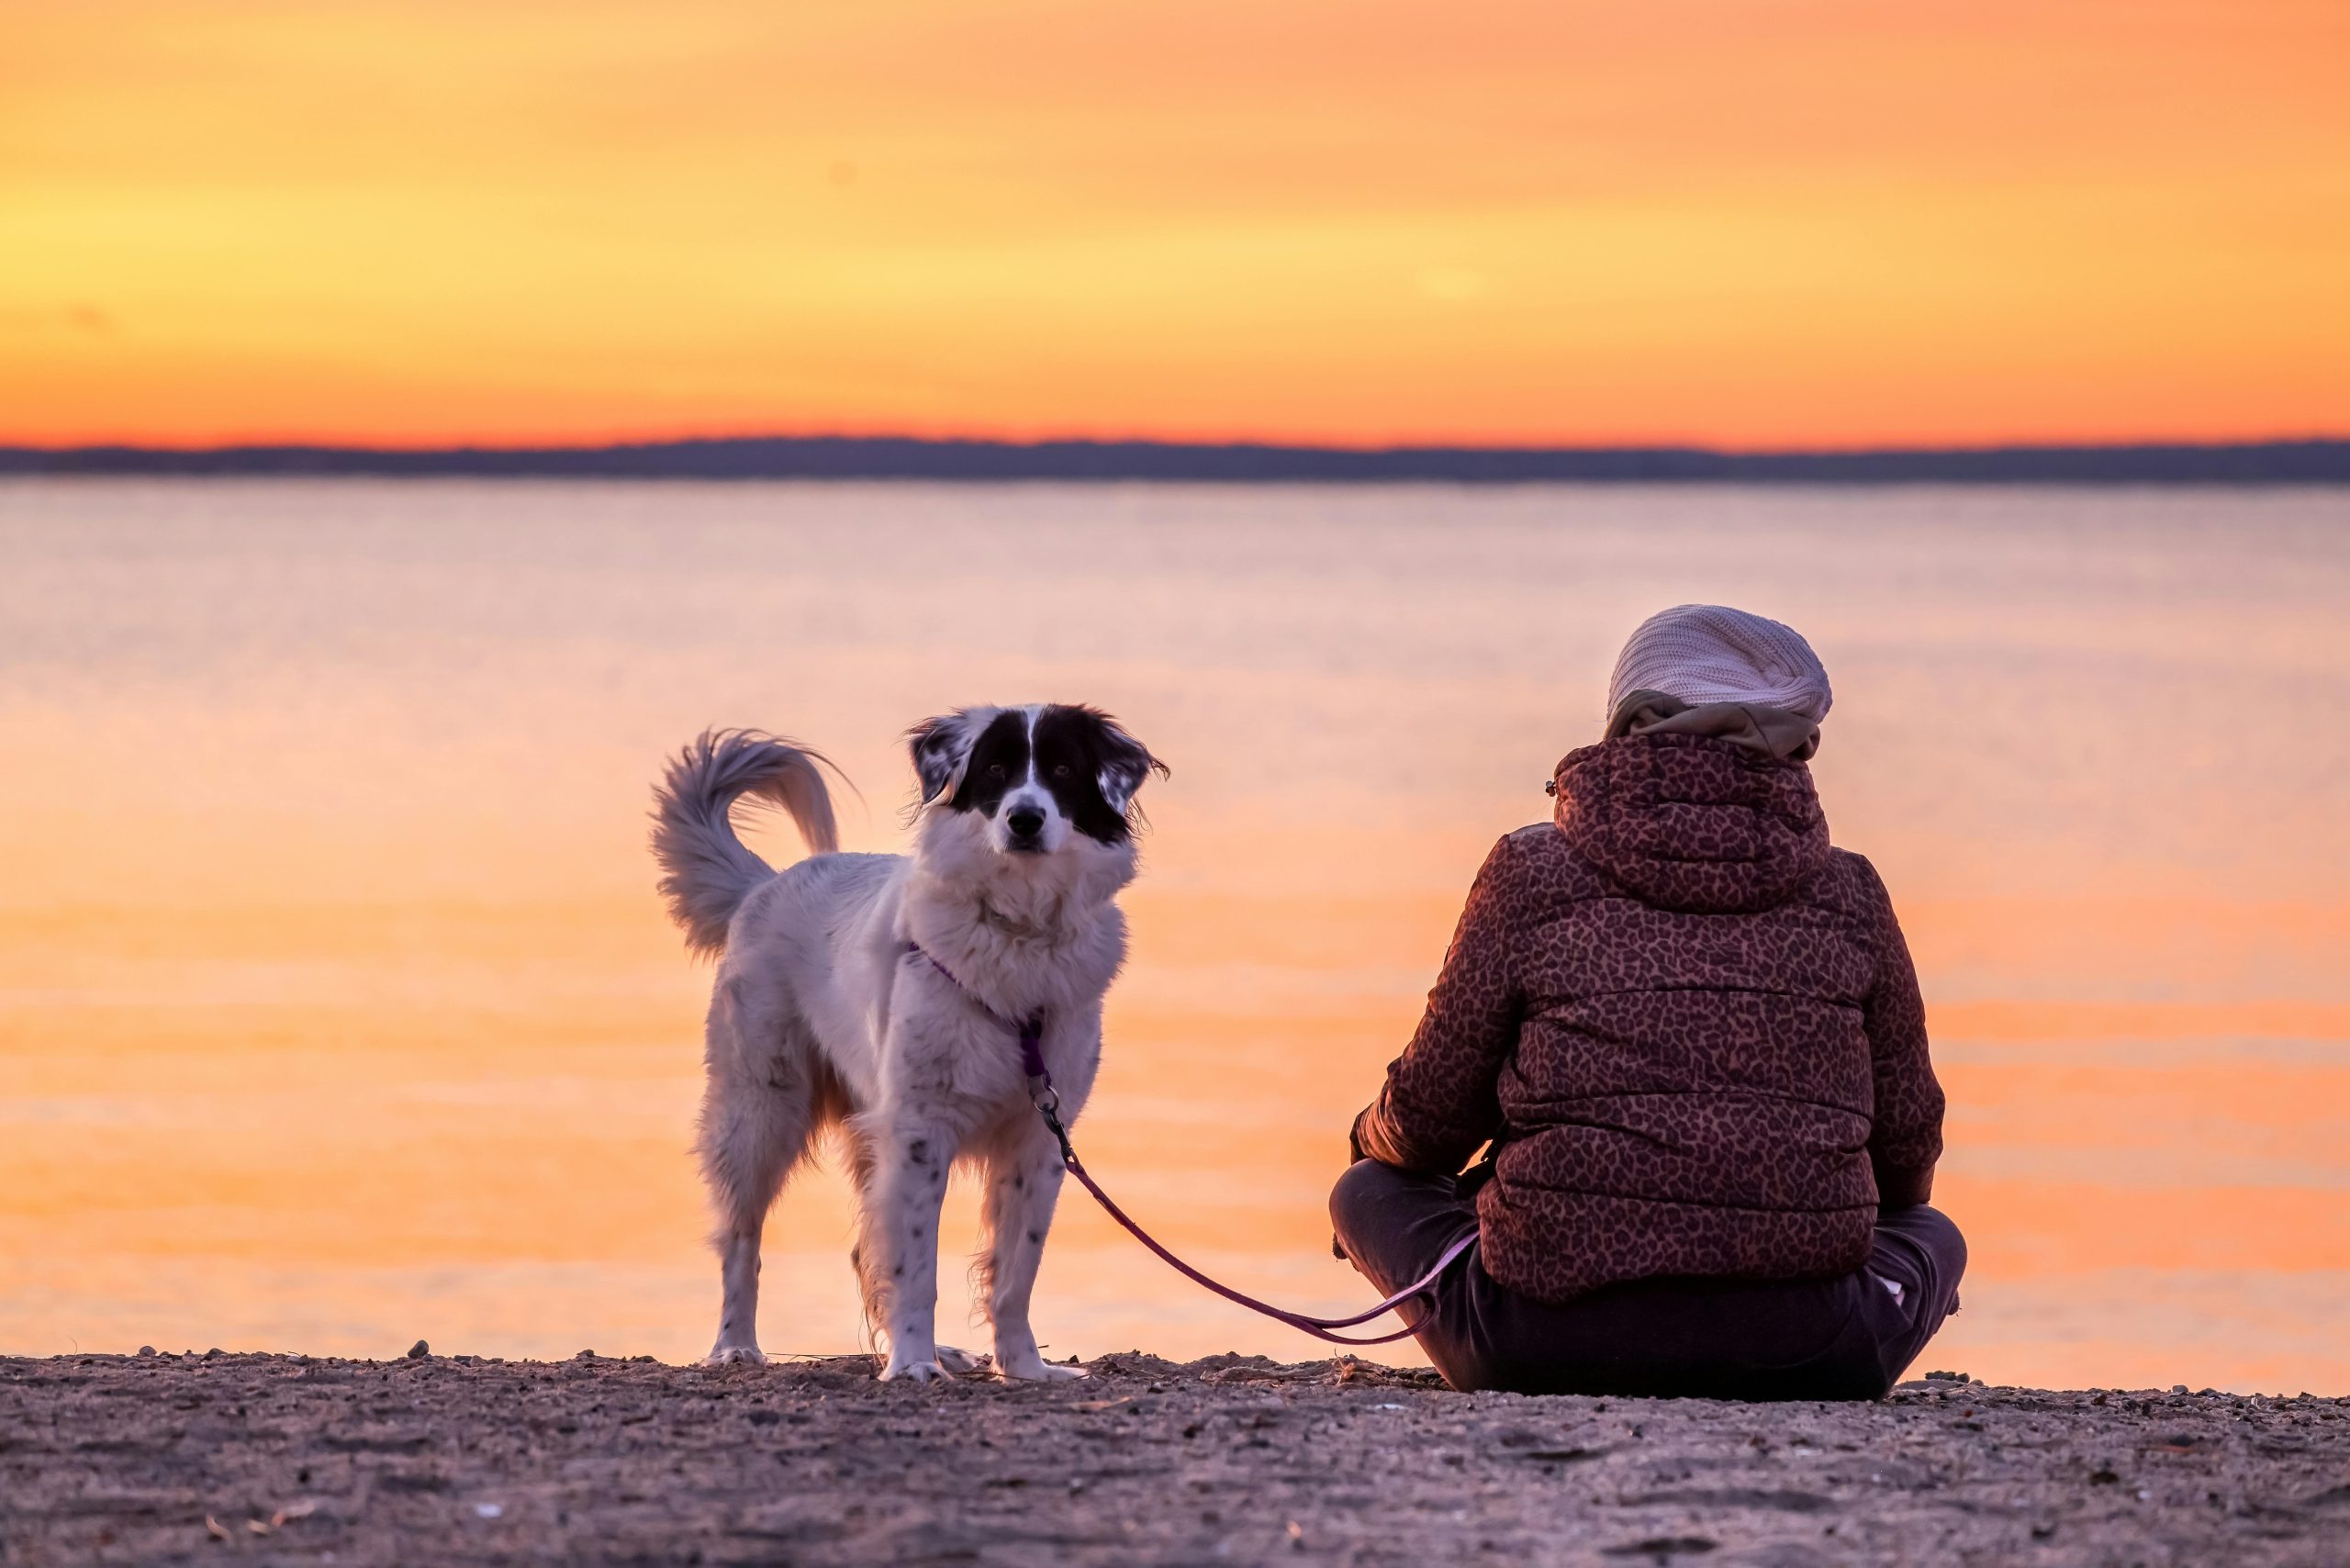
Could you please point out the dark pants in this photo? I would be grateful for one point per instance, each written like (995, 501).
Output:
(1841, 1339)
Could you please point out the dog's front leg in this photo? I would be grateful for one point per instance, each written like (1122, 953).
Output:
(1024, 1181)
(911, 1184)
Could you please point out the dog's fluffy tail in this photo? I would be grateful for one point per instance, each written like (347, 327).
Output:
(706, 872)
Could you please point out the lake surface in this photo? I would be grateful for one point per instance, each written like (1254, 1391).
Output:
(337, 1011)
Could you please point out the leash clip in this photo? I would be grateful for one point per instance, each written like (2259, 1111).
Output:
(1048, 1105)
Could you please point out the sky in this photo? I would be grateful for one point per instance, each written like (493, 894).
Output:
(1744, 223)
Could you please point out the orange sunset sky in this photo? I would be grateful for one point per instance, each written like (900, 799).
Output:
(1742, 222)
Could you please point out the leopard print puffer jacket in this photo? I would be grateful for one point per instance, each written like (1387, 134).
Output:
(1691, 1028)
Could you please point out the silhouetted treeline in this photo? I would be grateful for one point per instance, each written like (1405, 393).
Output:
(895, 457)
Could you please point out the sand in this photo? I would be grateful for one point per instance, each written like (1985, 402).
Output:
(451, 1460)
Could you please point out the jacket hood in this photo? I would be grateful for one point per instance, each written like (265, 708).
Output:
(1692, 823)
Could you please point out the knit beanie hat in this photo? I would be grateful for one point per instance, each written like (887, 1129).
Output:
(1703, 653)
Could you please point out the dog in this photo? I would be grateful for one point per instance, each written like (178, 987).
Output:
(877, 994)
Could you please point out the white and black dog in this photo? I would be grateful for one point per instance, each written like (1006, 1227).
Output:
(872, 992)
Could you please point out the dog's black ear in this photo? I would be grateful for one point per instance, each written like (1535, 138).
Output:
(940, 747)
(1125, 762)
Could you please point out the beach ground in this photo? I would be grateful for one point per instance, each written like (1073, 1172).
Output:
(209, 1458)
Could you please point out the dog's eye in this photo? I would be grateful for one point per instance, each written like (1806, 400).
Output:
(995, 770)
(1060, 770)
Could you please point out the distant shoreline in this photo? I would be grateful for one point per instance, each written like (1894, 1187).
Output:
(2273, 463)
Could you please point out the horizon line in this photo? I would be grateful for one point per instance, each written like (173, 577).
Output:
(2286, 460)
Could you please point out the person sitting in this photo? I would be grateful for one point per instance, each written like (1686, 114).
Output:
(1692, 1036)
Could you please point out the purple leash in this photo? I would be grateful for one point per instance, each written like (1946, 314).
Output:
(1031, 1032)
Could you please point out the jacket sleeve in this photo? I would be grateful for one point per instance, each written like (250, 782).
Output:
(1440, 1100)
(1906, 1135)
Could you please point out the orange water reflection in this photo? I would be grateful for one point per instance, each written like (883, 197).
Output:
(335, 1009)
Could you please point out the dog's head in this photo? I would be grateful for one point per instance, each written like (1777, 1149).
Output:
(1042, 780)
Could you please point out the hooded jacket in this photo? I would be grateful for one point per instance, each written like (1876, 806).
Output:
(1689, 1027)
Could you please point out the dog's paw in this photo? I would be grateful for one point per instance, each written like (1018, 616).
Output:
(962, 1363)
(913, 1372)
(1038, 1369)
(736, 1356)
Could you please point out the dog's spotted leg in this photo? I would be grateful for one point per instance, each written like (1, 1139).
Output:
(1024, 1181)
(754, 1127)
(738, 1336)
(909, 1187)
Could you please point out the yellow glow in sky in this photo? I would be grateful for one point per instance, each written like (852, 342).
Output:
(1747, 223)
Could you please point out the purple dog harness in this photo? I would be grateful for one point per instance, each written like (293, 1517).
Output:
(1031, 1034)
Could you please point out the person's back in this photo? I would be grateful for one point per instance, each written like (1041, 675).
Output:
(1692, 1032)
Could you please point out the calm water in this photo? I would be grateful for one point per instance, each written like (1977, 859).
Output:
(336, 1009)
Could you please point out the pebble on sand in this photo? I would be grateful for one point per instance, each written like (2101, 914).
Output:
(418, 1351)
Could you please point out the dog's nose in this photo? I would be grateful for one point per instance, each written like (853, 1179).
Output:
(1027, 822)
